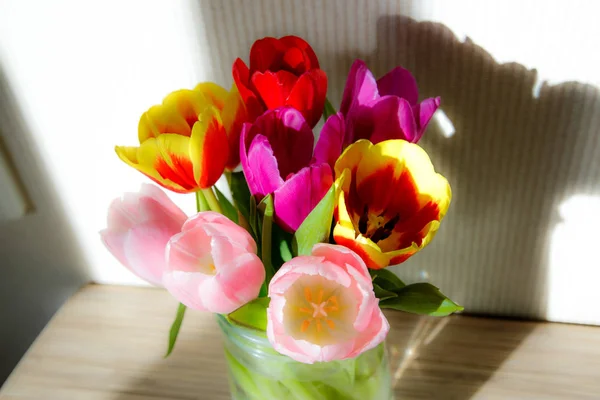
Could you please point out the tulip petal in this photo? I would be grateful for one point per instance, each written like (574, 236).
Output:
(345, 227)
(161, 197)
(241, 77)
(427, 234)
(300, 194)
(360, 89)
(241, 278)
(310, 58)
(371, 254)
(145, 246)
(273, 88)
(214, 94)
(208, 148)
(122, 213)
(410, 231)
(185, 287)
(343, 256)
(216, 224)
(234, 114)
(351, 157)
(171, 159)
(424, 112)
(144, 158)
(265, 55)
(401, 83)
(329, 145)
(308, 95)
(262, 168)
(375, 332)
(115, 243)
(176, 115)
(379, 183)
(215, 300)
(387, 118)
(189, 251)
(289, 135)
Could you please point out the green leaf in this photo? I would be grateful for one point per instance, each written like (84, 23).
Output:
(329, 110)
(254, 219)
(174, 332)
(315, 228)
(266, 206)
(240, 192)
(421, 298)
(386, 279)
(381, 293)
(228, 209)
(282, 247)
(252, 315)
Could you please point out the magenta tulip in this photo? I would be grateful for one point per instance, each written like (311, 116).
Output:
(277, 158)
(212, 264)
(386, 108)
(139, 225)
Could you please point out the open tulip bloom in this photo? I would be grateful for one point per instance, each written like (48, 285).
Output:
(298, 250)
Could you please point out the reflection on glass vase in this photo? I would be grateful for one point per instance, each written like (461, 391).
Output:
(258, 372)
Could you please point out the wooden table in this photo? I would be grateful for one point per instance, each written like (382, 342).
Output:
(108, 342)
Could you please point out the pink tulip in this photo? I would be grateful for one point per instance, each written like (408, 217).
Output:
(323, 307)
(139, 227)
(212, 264)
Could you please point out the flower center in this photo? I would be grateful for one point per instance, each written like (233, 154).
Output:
(317, 309)
(376, 227)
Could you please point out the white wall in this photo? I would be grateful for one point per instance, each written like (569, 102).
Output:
(84, 71)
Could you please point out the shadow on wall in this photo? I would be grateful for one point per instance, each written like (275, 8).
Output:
(520, 149)
(516, 156)
(40, 263)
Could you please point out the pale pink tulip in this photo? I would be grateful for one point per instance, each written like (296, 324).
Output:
(323, 307)
(212, 264)
(139, 225)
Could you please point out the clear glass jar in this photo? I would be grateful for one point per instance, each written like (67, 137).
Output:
(258, 372)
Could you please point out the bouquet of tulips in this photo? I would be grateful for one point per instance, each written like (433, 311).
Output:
(295, 244)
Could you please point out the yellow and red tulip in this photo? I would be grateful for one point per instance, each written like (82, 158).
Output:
(391, 201)
(187, 141)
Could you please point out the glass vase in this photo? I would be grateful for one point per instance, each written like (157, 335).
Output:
(258, 372)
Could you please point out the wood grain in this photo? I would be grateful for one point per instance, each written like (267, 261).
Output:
(108, 342)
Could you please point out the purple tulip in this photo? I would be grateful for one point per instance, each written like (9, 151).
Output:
(384, 109)
(276, 152)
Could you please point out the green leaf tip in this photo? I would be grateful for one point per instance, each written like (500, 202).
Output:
(175, 327)
(317, 225)
(252, 315)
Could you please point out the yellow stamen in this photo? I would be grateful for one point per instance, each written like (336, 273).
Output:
(334, 306)
(305, 325)
(307, 294)
(319, 311)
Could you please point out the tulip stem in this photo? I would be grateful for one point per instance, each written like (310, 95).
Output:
(201, 203)
(212, 200)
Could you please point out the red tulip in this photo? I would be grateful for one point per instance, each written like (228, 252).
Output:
(282, 72)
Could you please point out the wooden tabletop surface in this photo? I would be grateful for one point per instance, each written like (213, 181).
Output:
(108, 342)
